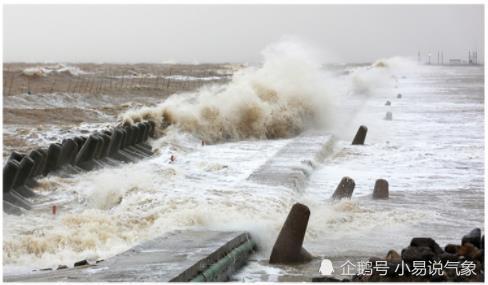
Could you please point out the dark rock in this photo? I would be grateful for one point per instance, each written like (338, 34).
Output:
(438, 278)
(393, 256)
(344, 189)
(429, 242)
(360, 136)
(288, 246)
(81, 263)
(325, 279)
(360, 278)
(452, 248)
(417, 253)
(388, 266)
(373, 259)
(392, 266)
(446, 256)
(469, 252)
(474, 238)
(380, 189)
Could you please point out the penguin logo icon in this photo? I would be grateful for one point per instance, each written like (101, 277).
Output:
(326, 267)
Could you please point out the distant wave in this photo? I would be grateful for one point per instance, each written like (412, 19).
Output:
(288, 94)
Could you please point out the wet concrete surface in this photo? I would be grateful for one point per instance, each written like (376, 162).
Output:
(177, 256)
(307, 151)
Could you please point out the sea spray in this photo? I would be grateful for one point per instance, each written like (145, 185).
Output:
(283, 97)
(290, 92)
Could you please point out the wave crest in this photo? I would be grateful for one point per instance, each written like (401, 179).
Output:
(285, 96)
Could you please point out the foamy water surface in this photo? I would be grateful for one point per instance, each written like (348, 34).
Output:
(431, 153)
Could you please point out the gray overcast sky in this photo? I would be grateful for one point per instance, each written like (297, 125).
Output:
(235, 33)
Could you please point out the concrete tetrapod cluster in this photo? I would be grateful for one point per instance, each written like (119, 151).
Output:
(347, 184)
(389, 114)
(73, 155)
(288, 246)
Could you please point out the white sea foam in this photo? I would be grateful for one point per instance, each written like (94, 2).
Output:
(42, 71)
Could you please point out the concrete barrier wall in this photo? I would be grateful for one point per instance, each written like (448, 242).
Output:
(73, 155)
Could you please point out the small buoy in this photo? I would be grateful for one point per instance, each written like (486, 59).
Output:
(54, 209)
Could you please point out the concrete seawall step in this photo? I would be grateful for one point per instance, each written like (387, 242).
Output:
(180, 256)
(292, 165)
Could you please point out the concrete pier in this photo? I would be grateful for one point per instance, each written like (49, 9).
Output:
(180, 256)
(306, 151)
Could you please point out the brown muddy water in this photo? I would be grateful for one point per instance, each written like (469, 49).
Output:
(43, 101)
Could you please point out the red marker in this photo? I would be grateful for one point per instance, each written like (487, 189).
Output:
(54, 209)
